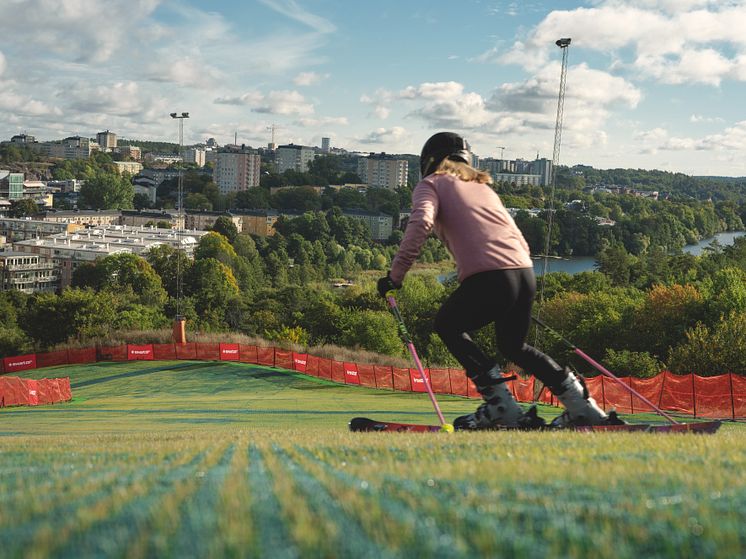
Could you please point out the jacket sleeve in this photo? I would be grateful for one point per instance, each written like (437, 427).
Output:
(421, 222)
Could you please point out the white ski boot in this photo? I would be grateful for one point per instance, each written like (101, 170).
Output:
(498, 409)
(580, 408)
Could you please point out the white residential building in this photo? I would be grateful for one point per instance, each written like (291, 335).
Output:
(195, 155)
(237, 170)
(290, 156)
(383, 171)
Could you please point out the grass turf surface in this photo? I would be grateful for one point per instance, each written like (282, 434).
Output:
(192, 459)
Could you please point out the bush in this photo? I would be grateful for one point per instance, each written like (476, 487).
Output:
(632, 363)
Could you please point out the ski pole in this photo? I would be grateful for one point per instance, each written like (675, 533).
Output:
(410, 345)
(600, 368)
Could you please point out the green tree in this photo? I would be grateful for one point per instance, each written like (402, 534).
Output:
(225, 226)
(168, 262)
(123, 272)
(25, 207)
(105, 191)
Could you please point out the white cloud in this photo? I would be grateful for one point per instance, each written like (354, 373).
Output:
(275, 102)
(323, 121)
(384, 136)
(381, 112)
(732, 138)
(3, 64)
(706, 119)
(669, 41)
(309, 78)
(293, 10)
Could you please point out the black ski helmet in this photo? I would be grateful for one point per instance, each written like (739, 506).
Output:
(440, 146)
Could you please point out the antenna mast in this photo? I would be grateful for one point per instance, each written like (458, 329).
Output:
(563, 44)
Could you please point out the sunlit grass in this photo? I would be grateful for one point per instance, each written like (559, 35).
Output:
(227, 460)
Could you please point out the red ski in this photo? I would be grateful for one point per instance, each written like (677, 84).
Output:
(362, 424)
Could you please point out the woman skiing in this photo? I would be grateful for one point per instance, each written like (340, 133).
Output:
(497, 285)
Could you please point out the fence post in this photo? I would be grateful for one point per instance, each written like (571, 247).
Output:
(663, 389)
(603, 393)
(732, 397)
(694, 396)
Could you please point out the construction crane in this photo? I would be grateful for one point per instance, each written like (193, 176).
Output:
(273, 128)
(502, 151)
(564, 45)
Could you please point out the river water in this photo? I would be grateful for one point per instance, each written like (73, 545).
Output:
(574, 265)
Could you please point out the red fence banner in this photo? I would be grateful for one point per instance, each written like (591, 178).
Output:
(457, 378)
(265, 356)
(402, 380)
(312, 365)
(208, 351)
(283, 358)
(418, 385)
(299, 362)
(186, 351)
(164, 352)
(338, 371)
(384, 376)
(440, 382)
(351, 373)
(367, 375)
(140, 352)
(80, 356)
(247, 353)
(51, 358)
(230, 352)
(20, 363)
(325, 368)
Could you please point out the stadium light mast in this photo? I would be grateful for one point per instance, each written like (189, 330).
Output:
(179, 320)
(564, 45)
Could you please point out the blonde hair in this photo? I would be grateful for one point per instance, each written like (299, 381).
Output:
(462, 171)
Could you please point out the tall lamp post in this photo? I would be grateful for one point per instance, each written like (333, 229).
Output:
(179, 320)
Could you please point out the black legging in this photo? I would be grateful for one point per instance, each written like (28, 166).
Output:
(503, 297)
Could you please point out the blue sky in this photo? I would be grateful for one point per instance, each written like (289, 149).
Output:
(651, 83)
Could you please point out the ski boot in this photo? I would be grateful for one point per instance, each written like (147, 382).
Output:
(580, 408)
(499, 410)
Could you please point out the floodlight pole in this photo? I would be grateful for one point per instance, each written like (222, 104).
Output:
(179, 320)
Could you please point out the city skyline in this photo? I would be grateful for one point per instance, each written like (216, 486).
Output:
(651, 83)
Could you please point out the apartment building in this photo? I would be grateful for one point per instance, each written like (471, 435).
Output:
(11, 185)
(130, 167)
(380, 225)
(293, 157)
(91, 218)
(20, 229)
(204, 220)
(27, 272)
(73, 147)
(237, 170)
(383, 171)
(195, 155)
(106, 140)
(131, 152)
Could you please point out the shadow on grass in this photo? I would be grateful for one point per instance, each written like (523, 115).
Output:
(184, 367)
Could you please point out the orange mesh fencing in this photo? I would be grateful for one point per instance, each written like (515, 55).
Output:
(615, 395)
(164, 352)
(325, 368)
(67, 393)
(186, 351)
(440, 381)
(471, 389)
(54, 390)
(523, 389)
(648, 387)
(284, 358)
(208, 351)
(712, 396)
(248, 354)
(51, 358)
(384, 377)
(367, 375)
(402, 380)
(14, 392)
(111, 353)
(677, 393)
(265, 356)
(312, 365)
(738, 389)
(81, 356)
(43, 391)
(459, 386)
(338, 371)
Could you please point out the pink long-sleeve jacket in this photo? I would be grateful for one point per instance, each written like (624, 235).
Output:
(471, 221)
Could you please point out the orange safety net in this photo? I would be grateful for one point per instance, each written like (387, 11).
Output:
(283, 358)
(112, 353)
(738, 384)
(648, 387)
(367, 375)
(265, 356)
(81, 356)
(164, 352)
(248, 354)
(440, 381)
(325, 368)
(712, 396)
(458, 380)
(51, 358)
(338, 371)
(208, 351)
(402, 380)
(677, 393)
(312, 365)
(186, 351)
(384, 377)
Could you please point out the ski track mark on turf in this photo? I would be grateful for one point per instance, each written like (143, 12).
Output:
(109, 536)
(353, 541)
(436, 539)
(266, 512)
